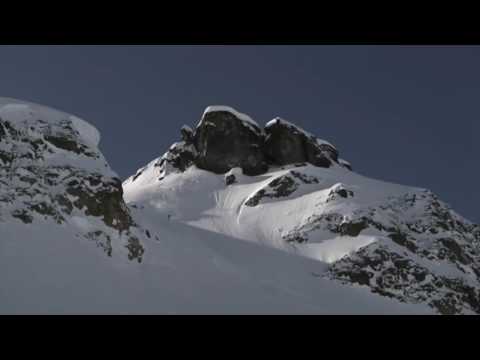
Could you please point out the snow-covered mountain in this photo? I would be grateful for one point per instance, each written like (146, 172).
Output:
(234, 218)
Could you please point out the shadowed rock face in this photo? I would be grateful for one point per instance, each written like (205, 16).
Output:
(223, 141)
(286, 144)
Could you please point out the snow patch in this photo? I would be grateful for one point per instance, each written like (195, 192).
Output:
(81, 223)
(239, 115)
(89, 133)
(334, 249)
(237, 171)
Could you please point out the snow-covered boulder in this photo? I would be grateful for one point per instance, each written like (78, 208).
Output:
(345, 164)
(231, 177)
(287, 143)
(226, 139)
(281, 187)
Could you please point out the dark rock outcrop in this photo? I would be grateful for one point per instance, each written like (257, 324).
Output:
(395, 275)
(187, 134)
(180, 156)
(339, 191)
(418, 238)
(230, 179)
(280, 187)
(224, 141)
(49, 171)
(286, 143)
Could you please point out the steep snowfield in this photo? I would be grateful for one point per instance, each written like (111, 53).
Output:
(46, 269)
(202, 199)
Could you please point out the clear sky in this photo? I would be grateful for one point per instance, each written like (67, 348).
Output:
(409, 115)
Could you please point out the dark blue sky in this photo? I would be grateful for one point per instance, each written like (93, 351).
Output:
(403, 114)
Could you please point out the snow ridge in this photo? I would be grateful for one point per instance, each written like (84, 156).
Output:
(18, 111)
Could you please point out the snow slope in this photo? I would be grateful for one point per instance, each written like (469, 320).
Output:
(46, 269)
(365, 232)
(201, 199)
(401, 242)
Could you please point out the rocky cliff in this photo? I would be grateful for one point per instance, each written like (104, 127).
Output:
(51, 169)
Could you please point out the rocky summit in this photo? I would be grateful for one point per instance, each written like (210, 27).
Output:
(225, 139)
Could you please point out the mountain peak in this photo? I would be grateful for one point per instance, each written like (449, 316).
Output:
(226, 138)
(283, 187)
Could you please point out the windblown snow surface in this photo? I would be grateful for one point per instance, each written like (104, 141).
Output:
(205, 250)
